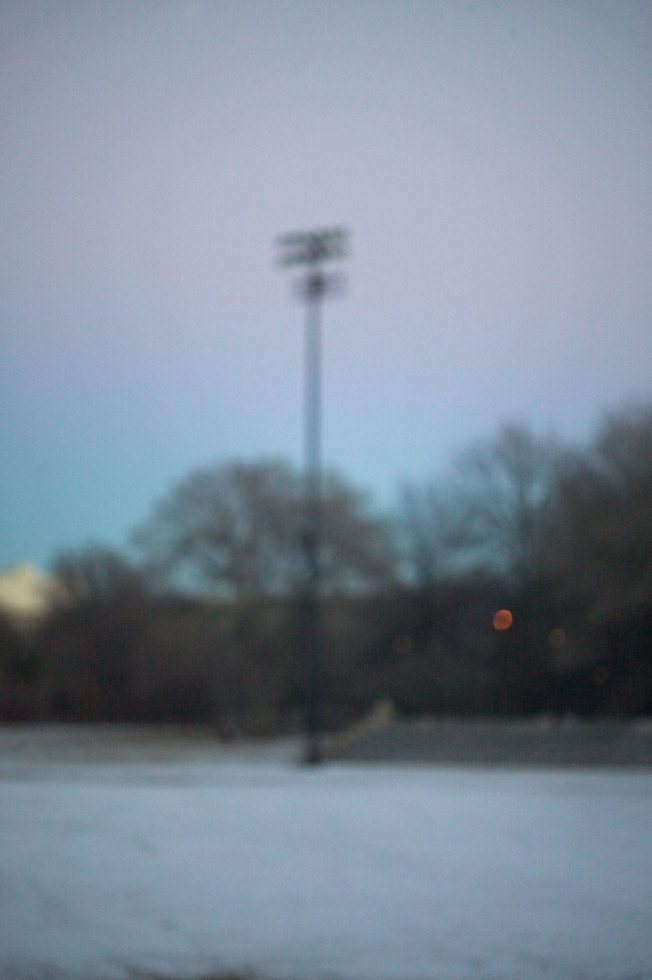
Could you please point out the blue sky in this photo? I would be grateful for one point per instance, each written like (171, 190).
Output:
(491, 159)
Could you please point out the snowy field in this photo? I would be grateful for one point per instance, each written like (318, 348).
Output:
(135, 857)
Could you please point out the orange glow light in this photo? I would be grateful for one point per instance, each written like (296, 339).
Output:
(502, 619)
(557, 638)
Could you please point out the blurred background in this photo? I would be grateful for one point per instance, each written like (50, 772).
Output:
(487, 421)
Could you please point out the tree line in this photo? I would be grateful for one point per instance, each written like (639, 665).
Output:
(208, 625)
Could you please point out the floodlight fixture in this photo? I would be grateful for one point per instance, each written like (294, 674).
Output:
(313, 248)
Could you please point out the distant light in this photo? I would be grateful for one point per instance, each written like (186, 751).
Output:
(502, 619)
(557, 638)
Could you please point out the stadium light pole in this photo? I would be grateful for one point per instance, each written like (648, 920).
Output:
(310, 251)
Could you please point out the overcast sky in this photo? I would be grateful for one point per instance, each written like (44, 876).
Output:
(492, 160)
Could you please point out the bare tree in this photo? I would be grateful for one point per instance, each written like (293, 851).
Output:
(236, 529)
(602, 557)
(92, 639)
(604, 516)
(501, 490)
(96, 577)
(425, 531)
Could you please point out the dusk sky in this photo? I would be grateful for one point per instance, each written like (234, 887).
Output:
(491, 159)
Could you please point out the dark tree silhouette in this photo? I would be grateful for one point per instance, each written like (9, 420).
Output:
(602, 557)
(236, 530)
(92, 639)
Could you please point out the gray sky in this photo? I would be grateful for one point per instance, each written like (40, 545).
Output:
(491, 159)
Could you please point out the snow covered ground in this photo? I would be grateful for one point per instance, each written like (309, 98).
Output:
(131, 857)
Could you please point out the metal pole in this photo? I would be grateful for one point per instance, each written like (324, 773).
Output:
(312, 250)
(313, 514)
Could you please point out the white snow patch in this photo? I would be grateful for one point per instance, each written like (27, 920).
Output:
(244, 860)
